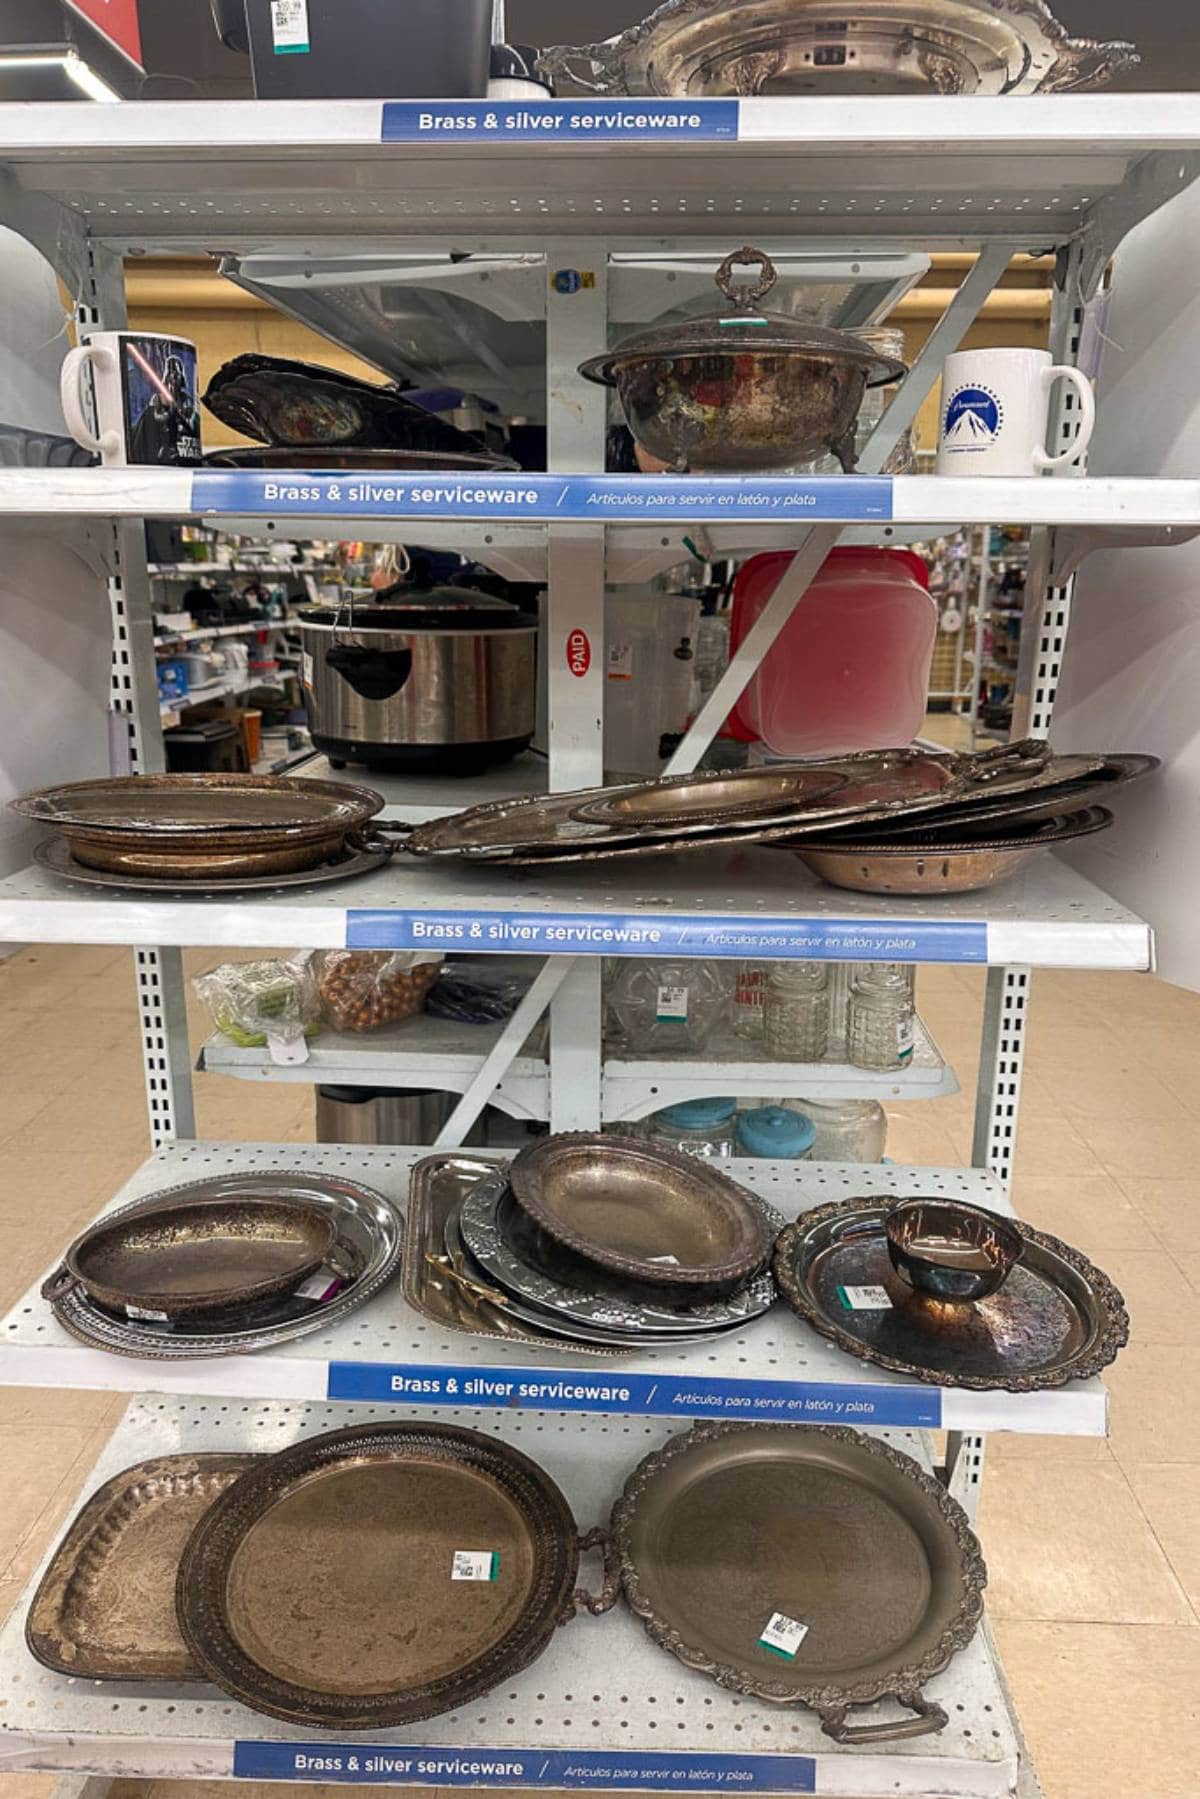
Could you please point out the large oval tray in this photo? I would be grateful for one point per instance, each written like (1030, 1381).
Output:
(369, 1244)
(360, 1530)
(485, 1240)
(195, 805)
(188, 1255)
(731, 1525)
(1056, 1318)
(105, 1607)
(650, 1215)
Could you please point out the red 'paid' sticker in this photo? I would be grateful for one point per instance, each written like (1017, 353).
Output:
(579, 653)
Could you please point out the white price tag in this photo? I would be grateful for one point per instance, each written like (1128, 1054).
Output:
(288, 1052)
(475, 1564)
(865, 1299)
(324, 1285)
(906, 1039)
(144, 1317)
(289, 24)
(672, 1005)
(783, 1635)
(620, 662)
(307, 670)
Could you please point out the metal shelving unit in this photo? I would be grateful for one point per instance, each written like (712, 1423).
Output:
(323, 186)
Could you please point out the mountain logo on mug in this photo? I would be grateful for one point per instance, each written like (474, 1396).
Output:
(973, 419)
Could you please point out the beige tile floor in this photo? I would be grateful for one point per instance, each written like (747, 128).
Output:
(1093, 1548)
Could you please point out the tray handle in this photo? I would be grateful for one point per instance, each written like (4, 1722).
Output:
(929, 1719)
(607, 1597)
(390, 834)
(57, 1285)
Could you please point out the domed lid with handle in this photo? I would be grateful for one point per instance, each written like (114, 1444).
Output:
(409, 608)
(775, 1131)
(742, 326)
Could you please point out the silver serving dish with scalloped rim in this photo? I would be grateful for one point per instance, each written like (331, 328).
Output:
(708, 48)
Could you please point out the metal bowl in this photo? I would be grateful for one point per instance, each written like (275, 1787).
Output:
(743, 390)
(945, 1250)
(660, 1218)
(943, 867)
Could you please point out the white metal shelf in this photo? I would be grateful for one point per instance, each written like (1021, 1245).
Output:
(418, 797)
(440, 1053)
(1036, 170)
(775, 1367)
(206, 633)
(601, 1697)
(760, 904)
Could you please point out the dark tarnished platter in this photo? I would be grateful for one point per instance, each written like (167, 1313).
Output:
(1056, 1318)
(186, 1255)
(713, 797)
(326, 459)
(194, 805)
(650, 1215)
(55, 856)
(368, 1247)
(105, 1608)
(360, 1529)
(918, 866)
(587, 1308)
(731, 1526)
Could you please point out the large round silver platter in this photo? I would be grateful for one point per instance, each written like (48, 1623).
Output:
(55, 855)
(694, 48)
(370, 1238)
(483, 1237)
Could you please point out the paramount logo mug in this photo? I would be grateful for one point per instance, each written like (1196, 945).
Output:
(131, 397)
(995, 409)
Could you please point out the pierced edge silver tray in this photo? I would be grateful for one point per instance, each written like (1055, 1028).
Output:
(477, 1223)
(369, 1222)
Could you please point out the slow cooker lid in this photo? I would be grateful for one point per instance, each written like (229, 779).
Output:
(402, 608)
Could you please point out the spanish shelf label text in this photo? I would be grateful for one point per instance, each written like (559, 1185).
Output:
(560, 121)
(386, 1764)
(567, 498)
(635, 1395)
(647, 934)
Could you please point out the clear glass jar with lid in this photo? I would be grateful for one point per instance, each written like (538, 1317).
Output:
(847, 1130)
(701, 1127)
(881, 1028)
(749, 992)
(776, 1132)
(796, 1011)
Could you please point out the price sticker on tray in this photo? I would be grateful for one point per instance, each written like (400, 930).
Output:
(289, 27)
(672, 1005)
(475, 1564)
(865, 1299)
(783, 1636)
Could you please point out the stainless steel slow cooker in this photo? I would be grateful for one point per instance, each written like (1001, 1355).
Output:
(442, 678)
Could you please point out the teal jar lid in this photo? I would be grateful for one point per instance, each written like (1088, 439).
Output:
(698, 1114)
(775, 1131)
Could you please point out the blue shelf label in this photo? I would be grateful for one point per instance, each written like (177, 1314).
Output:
(399, 1765)
(571, 499)
(611, 934)
(560, 121)
(635, 1395)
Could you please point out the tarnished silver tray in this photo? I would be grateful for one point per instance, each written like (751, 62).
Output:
(693, 48)
(369, 1243)
(803, 1565)
(55, 855)
(488, 1245)
(1056, 1318)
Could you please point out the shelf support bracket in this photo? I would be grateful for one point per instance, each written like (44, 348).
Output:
(1001, 1058)
(496, 1063)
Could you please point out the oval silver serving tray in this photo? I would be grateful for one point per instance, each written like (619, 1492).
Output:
(487, 1244)
(55, 856)
(370, 1240)
(694, 48)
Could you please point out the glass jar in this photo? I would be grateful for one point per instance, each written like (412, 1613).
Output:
(847, 1130)
(777, 1132)
(658, 1007)
(885, 340)
(749, 991)
(700, 1127)
(881, 1030)
(796, 1011)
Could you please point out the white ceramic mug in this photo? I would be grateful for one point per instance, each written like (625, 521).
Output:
(131, 397)
(995, 408)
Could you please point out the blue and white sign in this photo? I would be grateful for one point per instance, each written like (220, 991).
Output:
(629, 1770)
(560, 121)
(636, 1395)
(643, 934)
(574, 499)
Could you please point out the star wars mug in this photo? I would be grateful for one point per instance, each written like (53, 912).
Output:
(131, 398)
(995, 409)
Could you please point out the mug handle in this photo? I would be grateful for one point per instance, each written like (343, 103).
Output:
(1087, 406)
(71, 391)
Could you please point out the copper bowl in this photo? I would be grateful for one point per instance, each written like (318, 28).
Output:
(945, 1250)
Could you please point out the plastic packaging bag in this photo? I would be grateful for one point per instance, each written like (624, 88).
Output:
(264, 1004)
(472, 993)
(366, 989)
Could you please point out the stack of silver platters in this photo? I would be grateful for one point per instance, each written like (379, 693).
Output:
(893, 821)
(596, 1241)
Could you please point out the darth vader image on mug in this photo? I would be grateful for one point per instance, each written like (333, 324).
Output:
(996, 408)
(132, 398)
